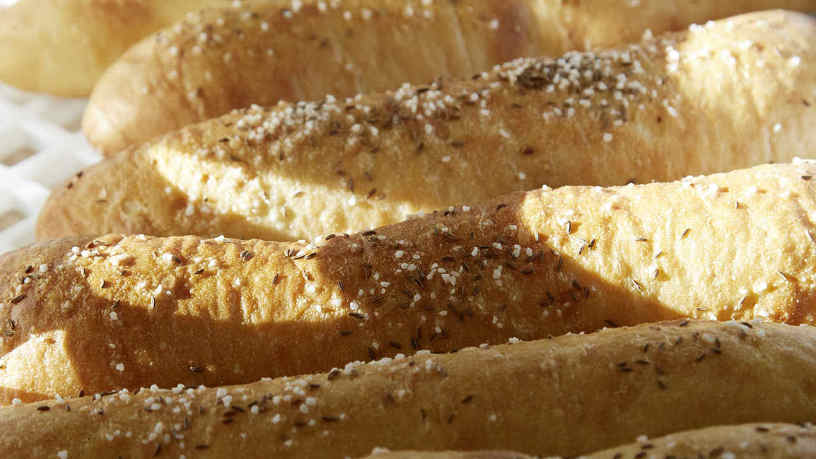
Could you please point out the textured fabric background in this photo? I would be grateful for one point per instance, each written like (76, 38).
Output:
(40, 147)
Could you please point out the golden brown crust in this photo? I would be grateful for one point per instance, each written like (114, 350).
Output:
(307, 49)
(298, 171)
(231, 58)
(63, 46)
(768, 440)
(729, 246)
(570, 395)
(604, 23)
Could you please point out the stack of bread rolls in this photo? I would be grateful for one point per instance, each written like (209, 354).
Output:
(559, 236)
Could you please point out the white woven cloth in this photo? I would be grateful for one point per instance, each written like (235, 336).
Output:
(40, 147)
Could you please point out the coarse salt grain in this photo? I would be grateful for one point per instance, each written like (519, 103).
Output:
(497, 273)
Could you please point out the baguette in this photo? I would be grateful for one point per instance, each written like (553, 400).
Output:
(567, 396)
(298, 171)
(133, 311)
(63, 46)
(779, 441)
(218, 61)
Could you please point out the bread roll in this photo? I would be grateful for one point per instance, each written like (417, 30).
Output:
(779, 441)
(63, 46)
(133, 311)
(219, 61)
(571, 395)
(743, 92)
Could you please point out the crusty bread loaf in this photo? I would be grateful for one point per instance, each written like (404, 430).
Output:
(743, 92)
(571, 395)
(779, 441)
(128, 312)
(216, 62)
(63, 46)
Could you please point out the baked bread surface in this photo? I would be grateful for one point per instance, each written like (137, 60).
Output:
(269, 51)
(738, 245)
(62, 47)
(728, 95)
(768, 440)
(571, 395)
